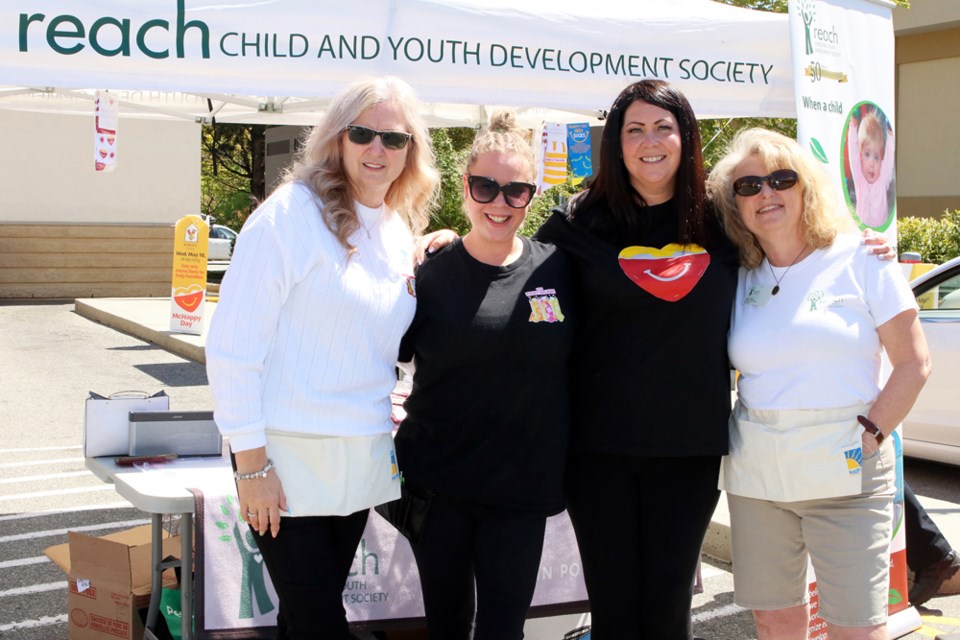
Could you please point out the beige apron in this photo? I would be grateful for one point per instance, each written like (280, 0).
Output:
(334, 475)
(792, 455)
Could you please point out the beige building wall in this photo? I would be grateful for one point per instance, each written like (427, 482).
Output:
(928, 107)
(67, 231)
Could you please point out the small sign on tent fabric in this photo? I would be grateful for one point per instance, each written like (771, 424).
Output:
(578, 148)
(105, 132)
(552, 168)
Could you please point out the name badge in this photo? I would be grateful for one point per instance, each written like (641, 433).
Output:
(758, 296)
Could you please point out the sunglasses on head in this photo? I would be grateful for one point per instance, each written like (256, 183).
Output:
(778, 180)
(365, 135)
(515, 194)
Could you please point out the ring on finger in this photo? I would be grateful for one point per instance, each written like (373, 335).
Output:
(252, 515)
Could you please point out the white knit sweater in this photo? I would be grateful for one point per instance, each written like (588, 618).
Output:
(304, 339)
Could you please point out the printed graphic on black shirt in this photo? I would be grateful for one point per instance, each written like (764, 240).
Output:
(669, 273)
(544, 305)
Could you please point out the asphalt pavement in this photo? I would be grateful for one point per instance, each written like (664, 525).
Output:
(53, 353)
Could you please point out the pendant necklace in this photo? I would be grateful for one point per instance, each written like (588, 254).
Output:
(373, 222)
(776, 286)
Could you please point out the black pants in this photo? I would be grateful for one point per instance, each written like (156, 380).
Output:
(925, 542)
(500, 550)
(309, 562)
(640, 524)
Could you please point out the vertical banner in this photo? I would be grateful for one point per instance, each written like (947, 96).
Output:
(578, 149)
(843, 59)
(552, 168)
(189, 287)
(105, 132)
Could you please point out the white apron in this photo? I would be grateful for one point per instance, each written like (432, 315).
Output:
(333, 475)
(792, 455)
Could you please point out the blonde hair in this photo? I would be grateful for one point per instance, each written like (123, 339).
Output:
(821, 220)
(503, 135)
(319, 162)
(871, 130)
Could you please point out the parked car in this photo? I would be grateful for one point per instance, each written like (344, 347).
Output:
(932, 430)
(222, 240)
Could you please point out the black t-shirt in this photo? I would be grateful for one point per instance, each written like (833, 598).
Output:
(650, 372)
(488, 416)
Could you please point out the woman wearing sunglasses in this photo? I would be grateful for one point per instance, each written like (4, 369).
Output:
(487, 418)
(650, 377)
(302, 349)
(811, 463)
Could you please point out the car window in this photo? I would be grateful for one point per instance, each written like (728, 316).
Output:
(223, 233)
(944, 296)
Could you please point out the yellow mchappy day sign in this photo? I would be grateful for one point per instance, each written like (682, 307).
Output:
(189, 288)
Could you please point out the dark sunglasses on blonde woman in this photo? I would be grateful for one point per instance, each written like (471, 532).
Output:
(395, 140)
(778, 180)
(515, 194)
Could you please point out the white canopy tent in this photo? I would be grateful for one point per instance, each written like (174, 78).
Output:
(278, 61)
(174, 63)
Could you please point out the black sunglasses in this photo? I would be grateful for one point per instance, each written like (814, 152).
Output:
(365, 135)
(778, 180)
(515, 194)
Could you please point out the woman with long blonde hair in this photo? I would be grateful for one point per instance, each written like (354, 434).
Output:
(302, 348)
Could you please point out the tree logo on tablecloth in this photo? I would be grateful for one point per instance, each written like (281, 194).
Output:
(252, 581)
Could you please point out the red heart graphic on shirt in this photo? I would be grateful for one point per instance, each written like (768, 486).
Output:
(669, 273)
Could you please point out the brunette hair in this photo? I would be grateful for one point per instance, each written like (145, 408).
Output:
(611, 185)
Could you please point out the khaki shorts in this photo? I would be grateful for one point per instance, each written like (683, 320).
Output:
(847, 538)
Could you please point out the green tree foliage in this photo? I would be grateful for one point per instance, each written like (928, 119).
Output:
(451, 147)
(717, 134)
(232, 178)
(544, 203)
(779, 6)
(935, 239)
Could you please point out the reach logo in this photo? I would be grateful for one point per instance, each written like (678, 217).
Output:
(109, 36)
(828, 40)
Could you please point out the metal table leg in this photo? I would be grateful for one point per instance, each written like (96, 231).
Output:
(186, 575)
(156, 575)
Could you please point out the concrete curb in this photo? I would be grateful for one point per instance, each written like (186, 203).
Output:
(147, 319)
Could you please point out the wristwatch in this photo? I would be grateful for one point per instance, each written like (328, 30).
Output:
(873, 429)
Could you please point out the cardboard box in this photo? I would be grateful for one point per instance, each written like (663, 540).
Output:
(108, 581)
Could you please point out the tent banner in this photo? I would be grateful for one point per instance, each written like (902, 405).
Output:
(844, 87)
(555, 54)
(843, 55)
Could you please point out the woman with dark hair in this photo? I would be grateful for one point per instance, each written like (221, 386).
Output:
(650, 378)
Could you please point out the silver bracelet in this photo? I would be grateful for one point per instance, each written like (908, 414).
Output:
(253, 475)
